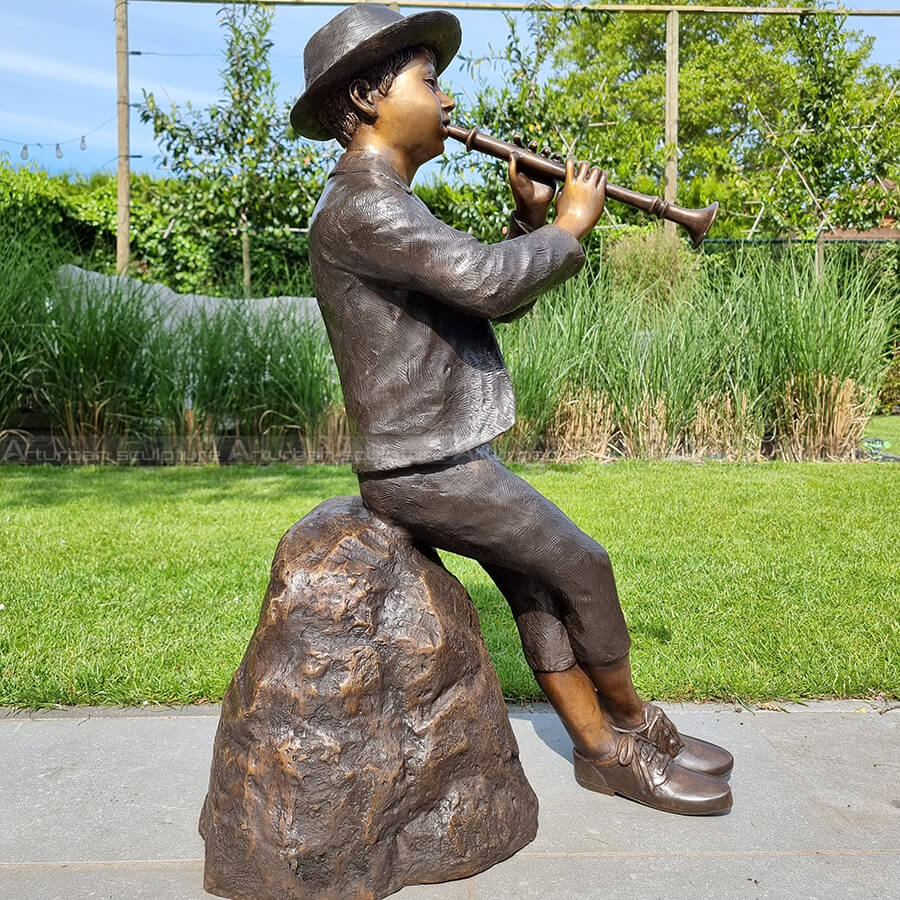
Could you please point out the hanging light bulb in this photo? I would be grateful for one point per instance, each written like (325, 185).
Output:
(83, 143)
(24, 153)
(58, 152)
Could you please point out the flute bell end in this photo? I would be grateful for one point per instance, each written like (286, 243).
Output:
(699, 222)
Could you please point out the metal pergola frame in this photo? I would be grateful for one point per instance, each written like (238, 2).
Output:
(671, 11)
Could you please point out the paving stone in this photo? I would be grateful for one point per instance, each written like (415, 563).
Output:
(104, 788)
(111, 881)
(105, 804)
(646, 876)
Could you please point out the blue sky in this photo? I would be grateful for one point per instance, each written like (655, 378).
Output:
(57, 68)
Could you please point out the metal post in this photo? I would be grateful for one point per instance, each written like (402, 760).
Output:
(820, 252)
(123, 174)
(245, 259)
(671, 135)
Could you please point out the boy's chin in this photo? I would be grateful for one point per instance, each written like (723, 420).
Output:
(435, 151)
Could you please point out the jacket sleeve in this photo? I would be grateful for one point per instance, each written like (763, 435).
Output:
(392, 238)
(517, 228)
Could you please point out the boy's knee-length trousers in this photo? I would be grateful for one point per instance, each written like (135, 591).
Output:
(557, 580)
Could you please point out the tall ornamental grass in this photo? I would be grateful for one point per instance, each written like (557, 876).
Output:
(26, 277)
(262, 377)
(102, 368)
(104, 360)
(652, 354)
(745, 356)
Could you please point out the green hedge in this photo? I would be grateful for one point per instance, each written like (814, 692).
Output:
(77, 216)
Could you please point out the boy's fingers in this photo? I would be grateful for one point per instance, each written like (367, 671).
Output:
(570, 168)
(583, 169)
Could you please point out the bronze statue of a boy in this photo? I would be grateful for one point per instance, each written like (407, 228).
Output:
(408, 303)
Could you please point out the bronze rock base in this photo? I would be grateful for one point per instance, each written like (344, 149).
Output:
(364, 744)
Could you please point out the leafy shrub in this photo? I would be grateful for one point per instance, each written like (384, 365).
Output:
(650, 265)
(196, 251)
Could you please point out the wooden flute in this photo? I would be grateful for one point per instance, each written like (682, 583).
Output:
(697, 222)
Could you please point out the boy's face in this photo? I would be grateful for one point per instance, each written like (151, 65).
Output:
(412, 118)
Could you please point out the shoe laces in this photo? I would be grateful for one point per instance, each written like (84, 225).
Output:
(652, 762)
(660, 730)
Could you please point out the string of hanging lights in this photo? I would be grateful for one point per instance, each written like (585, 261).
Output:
(57, 145)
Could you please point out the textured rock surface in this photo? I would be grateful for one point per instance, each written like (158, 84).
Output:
(364, 743)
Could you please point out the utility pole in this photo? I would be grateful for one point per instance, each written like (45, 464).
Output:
(671, 135)
(123, 174)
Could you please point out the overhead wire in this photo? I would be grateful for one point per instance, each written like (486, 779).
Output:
(198, 55)
(58, 145)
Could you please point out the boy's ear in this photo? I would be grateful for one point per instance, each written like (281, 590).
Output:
(363, 99)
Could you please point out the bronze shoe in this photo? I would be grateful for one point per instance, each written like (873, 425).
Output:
(641, 772)
(689, 752)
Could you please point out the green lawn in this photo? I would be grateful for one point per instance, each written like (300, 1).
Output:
(749, 581)
(888, 429)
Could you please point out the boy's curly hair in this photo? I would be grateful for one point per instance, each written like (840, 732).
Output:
(338, 115)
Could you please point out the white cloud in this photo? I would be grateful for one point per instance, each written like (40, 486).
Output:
(37, 124)
(52, 69)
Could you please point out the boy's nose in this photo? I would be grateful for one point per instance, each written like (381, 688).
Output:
(447, 102)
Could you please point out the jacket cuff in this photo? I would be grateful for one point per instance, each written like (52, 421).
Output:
(566, 242)
(523, 228)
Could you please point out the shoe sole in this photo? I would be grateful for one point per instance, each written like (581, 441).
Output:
(589, 778)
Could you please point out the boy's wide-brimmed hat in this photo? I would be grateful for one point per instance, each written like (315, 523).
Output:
(357, 39)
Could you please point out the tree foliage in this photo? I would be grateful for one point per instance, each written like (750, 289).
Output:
(243, 168)
(835, 141)
(781, 119)
(775, 111)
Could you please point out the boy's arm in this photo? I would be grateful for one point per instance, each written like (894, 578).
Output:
(392, 238)
(517, 227)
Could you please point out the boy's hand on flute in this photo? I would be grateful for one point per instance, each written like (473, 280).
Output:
(583, 197)
(532, 195)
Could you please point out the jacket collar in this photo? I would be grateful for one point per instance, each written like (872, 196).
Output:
(360, 161)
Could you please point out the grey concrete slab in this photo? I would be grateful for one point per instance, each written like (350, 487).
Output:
(104, 803)
(782, 797)
(136, 880)
(860, 747)
(150, 880)
(684, 876)
(104, 788)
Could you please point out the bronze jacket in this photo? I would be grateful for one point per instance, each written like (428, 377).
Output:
(407, 302)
